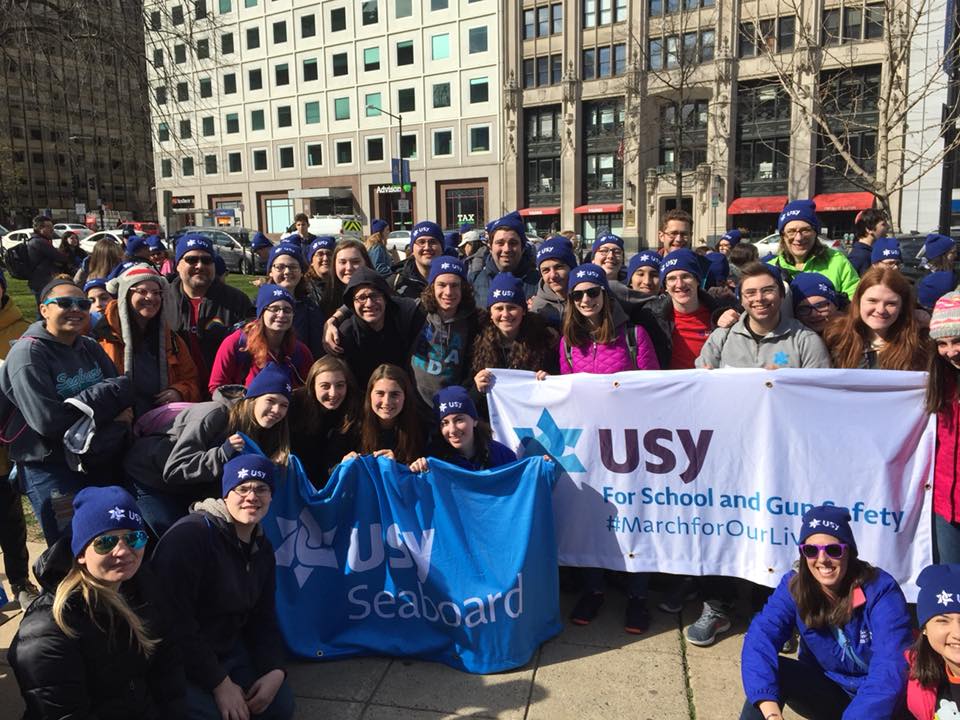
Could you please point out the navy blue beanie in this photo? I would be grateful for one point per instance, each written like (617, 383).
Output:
(377, 225)
(285, 248)
(97, 510)
(830, 520)
(135, 244)
(192, 241)
(451, 240)
(681, 259)
(939, 592)
(885, 248)
(324, 242)
(269, 294)
(94, 283)
(156, 244)
(607, 239)
(647, 258)
(505, 287)
(122, 268)
(557, 248)
(809, 284)
(805, 210)
(272, 379)
(937, 245)
(247, 468)
(934, 286)
(510, 221)
(454, 400)
(587, 273)
(428, 229)
(260, 241)
(733, 237)
(446, 266)
(719, 269)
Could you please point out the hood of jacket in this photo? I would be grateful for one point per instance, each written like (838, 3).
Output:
(54, 564)
(365, 276)
(215, 510)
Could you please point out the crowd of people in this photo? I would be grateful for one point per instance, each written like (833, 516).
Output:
(129, 402)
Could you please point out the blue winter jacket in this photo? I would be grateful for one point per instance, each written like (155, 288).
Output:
(872, 668)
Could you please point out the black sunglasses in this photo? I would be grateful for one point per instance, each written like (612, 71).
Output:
(68, 302)
(198, 260)
(593, 292)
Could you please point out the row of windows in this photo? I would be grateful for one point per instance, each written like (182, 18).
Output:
(443, 146)
(676, 50)
(662, 7)
(543, 21)
(601, 171)
(601, 118)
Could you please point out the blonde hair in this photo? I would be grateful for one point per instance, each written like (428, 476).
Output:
(96, 595)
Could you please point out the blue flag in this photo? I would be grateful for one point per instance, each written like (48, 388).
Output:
(452, 566)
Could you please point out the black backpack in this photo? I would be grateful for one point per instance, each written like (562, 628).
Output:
(17, 260)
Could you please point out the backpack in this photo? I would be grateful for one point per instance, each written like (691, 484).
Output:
(17, 260)
(630, 335)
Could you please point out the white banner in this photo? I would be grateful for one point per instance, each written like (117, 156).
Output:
(708, 472)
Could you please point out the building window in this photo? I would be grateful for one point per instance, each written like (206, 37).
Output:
(206, 87)
(160, 94)
(438, 5)
(255, 79)
(374, 149)
(308, 26)
(405, 52)
(257, 120)
(543, 20)
(279, 214)
(314, 155)
(408, 146)
(873, 26)
(286, 157)
(207, 126)
(186, 167)
(259, 160)
(786, 32)
(479, 90)
(588, 69)
(403, 8)
(338, 19)
(179, 54)
(604, 12)
(406, 100)
(226, 6)
(556, 18)
(442, 143)
(279, 32)
(480, 138)
(339, 63)
(831, 27)
(166, 169)
(603, 172)
(441, 95)
(440, 47)
(155, 20)
(163, 132)
(210, 164)
(371, 59)
(233, 123)
(529, 24)
(344, 149)
(477, 39)
(311, 70)
(176, 15)
(311, 113)
(229, 84)
(253, 38)
(369, 13)
(234, 162)
(185, 130)
(372, 104)
(249, 3)
(284, 116)
(158, 57)
(203, 49)
(226, 44)
(183, 92)
(282, 74)
(708, 41)
(341, 109)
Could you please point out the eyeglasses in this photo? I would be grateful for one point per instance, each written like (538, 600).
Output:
(832, 550)
(69, 303)
(285, 268)
(677, 234)
(143, 292)
(424, 242)
(197, 259)
(258, 490)
(279, 309)
(577, 295)
(371, 297)
(768, 291)
(821, 308)
(616, 252)
(135, 540)
(790, 234)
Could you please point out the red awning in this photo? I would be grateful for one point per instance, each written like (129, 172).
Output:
(526, 212)
(770, 204)
(610, 208)
(843, 202)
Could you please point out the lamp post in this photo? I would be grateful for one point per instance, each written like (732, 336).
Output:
(399, 119)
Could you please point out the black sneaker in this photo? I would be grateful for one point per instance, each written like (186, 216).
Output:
(637, 618)
(25, 593)
(678, 596)
(586, 608)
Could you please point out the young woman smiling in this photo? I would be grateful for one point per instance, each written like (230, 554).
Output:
(853, 625)
(285, 267)
(933, 688)
(390, 426)
(348, 256)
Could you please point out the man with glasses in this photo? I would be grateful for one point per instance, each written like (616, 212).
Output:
(426, 243)
(676, 229)
(509, 252)
(206, 310)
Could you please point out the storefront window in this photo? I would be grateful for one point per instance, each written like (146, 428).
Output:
(279, 215)
(464, 205)
(595, 223)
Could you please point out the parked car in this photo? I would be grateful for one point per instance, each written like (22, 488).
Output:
(399, 240)
(76, 228)
(15, 237)
(88, 242)
(233, 247)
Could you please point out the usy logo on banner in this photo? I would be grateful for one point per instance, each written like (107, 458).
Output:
(708, 472)
(449, 565)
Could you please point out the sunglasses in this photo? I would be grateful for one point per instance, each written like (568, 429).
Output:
(135, 540)
(832, 550)
(198, 260)
(594, 292)
(69, 303)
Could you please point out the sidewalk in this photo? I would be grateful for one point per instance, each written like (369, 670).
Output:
(593, 672)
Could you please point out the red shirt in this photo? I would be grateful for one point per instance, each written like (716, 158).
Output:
(690, 333)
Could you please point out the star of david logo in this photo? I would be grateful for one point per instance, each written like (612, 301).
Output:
(814, 523)
(552, 440)
(243, 473)
(443, 407)
(117, 513)
(944, 598)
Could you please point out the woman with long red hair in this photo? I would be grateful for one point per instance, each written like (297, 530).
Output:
(269, 338)
(879, 329)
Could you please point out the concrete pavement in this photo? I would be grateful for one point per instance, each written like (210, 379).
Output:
(586, 672)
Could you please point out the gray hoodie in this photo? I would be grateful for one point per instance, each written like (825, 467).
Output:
(548, 305)
(442, 352)
(39, 374)
(791, 344)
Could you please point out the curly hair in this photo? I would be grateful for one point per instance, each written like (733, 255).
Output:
(534, 349)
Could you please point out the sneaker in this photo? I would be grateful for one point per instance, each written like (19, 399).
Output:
(586, 608)
(25, 593)
(682, 593)
(713, 620)
(637, 618)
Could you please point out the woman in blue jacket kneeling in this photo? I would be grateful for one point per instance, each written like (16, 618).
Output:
(853, 625)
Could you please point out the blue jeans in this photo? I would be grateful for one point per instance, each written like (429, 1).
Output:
(50, 487)
(239, 666)
(594, 580)
(946, 541)
(160, 509)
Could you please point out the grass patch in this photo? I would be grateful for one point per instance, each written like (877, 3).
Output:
(34, 534)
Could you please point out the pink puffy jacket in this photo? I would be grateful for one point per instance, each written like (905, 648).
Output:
(611, 357)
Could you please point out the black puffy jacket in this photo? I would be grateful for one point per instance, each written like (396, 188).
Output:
(90, 676)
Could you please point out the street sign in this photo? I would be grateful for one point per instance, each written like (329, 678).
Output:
(399, 171)
(403, 205)
(80, 208)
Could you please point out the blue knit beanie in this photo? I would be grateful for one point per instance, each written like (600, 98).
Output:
(269, 294)
(272, 379)
(156, 244)
(587, 273)
(733, 237)
(510, 221)
(647, 258)
(247, 468)
(934, 286)
(260, 241)
(446, 266)
(805, 210)
(285, 248)
(885, 248)
(192, 241)
(557, 248)
(681, 259)
(607, 239)
(121, 268)
(324, 242)
(830, 520)
(719, 269)
(428, 229)
(453, 400)
(808, 284)
(377, 225)
(94, 283)
(97, 510)
(939, 592)
(451, 240)
(135, 244)
(937, 245)
(506, 288)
